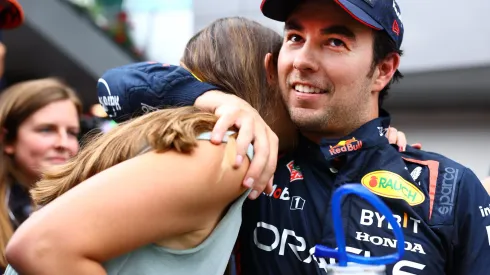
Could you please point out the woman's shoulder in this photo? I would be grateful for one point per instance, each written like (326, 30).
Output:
(229, 135)
(10, 271)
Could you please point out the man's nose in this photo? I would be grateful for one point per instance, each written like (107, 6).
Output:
(305, 59)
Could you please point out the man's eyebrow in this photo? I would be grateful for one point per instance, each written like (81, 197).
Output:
(293, 25)
(340, 30)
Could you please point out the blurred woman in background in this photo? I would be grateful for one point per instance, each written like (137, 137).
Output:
(39, 124)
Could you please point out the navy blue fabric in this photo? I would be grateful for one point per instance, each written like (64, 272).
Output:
(441, 205)
(377, 14)
(138, 88)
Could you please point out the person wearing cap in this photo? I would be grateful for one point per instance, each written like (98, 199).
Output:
(333, 81)
(11, 16)
(337, 61)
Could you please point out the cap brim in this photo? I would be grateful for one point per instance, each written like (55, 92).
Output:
(358, 14)
(281, 9)
(11, 14)
(278, 9)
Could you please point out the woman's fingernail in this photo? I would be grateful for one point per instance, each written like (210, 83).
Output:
(254, 194)
(239, 160)
(249, 182)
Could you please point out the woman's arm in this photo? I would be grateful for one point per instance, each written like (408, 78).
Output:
(140, 201)
(151, 84)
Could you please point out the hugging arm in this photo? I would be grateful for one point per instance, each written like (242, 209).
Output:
(131, 90)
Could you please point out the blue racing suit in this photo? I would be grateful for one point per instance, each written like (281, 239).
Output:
(441, 205)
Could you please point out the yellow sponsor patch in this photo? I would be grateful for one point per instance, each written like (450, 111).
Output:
(390, 185)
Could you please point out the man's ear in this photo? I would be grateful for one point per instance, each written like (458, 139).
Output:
(384, 71)
(270, 69)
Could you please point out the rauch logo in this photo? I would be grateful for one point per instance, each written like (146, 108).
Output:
(390, 185)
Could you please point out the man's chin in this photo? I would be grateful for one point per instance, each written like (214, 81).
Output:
(308, 101)
(308, 119)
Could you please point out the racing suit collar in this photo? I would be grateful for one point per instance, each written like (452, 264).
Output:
(368, 135)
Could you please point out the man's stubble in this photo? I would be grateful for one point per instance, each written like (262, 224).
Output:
(333, 121)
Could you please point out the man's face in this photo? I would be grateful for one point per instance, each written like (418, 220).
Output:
(325, 68)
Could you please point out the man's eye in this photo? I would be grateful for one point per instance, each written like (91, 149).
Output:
(294, 38)
(335, 42)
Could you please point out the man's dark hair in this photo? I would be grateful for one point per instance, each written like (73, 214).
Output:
(383, 46)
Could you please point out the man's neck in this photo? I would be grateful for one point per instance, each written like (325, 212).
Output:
(338, 131)
(288, 142)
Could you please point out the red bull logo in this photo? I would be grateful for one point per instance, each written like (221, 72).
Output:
(346, 146)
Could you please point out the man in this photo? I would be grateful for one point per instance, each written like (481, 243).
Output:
(336, 63)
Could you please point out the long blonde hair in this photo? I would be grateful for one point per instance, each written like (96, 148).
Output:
(17, 103)
(160, 130)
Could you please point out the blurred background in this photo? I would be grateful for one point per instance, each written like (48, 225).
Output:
(443, 102)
